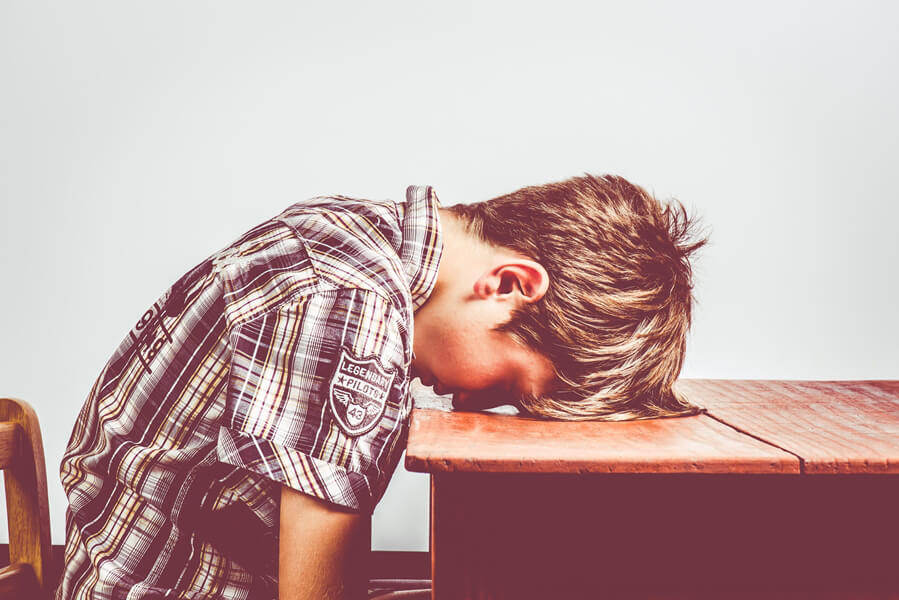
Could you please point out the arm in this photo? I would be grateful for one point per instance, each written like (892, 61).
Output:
(322, 550)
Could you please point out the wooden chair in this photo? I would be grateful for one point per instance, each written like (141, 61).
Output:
(25, 475)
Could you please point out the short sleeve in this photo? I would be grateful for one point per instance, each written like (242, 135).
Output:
(317, 396)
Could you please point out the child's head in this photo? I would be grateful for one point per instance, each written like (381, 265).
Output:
(614, 318)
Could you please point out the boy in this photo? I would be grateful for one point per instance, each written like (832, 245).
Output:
(259, 407)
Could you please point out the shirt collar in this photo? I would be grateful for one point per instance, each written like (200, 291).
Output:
(422, 244)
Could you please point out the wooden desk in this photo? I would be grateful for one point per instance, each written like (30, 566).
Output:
(783, 489)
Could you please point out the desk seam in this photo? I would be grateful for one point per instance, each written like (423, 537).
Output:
(759, 438)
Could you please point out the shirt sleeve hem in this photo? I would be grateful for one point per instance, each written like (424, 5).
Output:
(295, 469)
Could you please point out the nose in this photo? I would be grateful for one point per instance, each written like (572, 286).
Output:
(480, 400)
(465, 400)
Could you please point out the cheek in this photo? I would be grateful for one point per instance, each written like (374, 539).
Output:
(456, 353)
(468, 366)
(456, 344)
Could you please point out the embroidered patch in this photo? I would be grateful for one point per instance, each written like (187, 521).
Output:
(358, 393)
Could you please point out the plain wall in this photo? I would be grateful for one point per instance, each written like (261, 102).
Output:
(137, 138)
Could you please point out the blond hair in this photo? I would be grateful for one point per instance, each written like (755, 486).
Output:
(615, 317)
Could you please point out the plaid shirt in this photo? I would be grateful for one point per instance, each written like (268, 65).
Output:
(282, 359)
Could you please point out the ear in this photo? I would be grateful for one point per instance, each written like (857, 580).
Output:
(521, 279)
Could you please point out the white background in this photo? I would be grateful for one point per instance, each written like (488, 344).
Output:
(136, 138)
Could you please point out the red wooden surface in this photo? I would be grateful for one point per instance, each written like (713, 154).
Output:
(523, 508)
(478, 442)
(833, 426)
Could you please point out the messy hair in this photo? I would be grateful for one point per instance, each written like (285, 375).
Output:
(615, 317)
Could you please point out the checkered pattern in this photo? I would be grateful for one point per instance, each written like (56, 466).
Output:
(219, 395)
